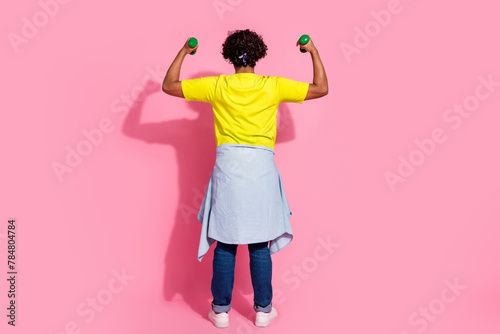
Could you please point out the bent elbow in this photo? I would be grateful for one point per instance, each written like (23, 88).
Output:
(164, 88)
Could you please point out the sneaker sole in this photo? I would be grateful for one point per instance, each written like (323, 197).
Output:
(265, 322)
(218, 324)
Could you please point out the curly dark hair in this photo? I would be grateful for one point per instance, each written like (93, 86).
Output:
(241, 41)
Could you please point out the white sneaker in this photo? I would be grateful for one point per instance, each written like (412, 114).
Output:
(220, 320)
(263, 319)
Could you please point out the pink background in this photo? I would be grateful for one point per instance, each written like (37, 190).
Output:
(129, 203)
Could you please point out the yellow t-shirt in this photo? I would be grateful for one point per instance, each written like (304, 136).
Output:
(245, 104)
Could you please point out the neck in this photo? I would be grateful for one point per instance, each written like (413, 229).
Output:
(244, 69)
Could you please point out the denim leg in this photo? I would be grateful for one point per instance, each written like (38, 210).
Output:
(261, 272)
(223, 276)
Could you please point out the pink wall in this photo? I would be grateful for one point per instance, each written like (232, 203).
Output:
(415, 254)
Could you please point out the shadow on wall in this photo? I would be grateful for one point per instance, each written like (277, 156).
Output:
(194, 143)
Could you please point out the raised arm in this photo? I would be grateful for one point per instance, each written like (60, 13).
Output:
(319, 87)
(171, 84)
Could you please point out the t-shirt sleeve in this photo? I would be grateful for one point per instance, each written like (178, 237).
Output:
(199, 89)
(289, 90)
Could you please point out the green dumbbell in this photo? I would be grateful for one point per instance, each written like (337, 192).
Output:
(304, 39)
(192, 43)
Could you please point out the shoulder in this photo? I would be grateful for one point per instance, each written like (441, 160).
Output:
(214, 78)
(278, 79)
(200, 81)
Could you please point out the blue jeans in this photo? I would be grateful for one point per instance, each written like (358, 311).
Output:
(223, 276)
